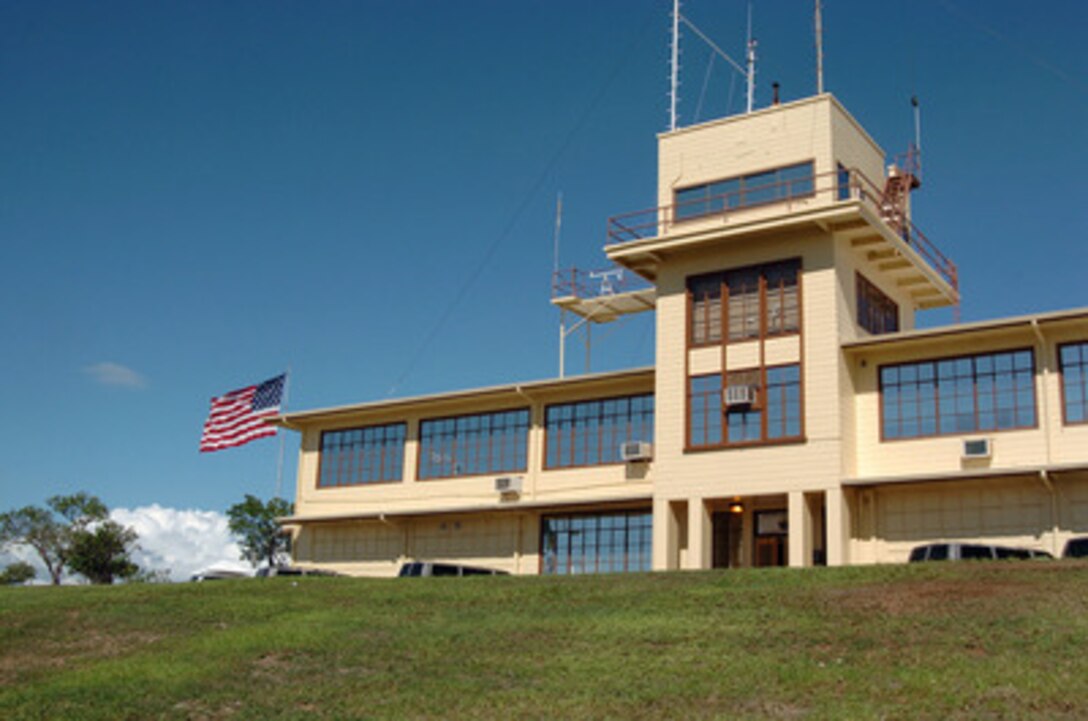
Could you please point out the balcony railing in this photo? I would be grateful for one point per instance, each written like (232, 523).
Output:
(594, 283)
(845, 185)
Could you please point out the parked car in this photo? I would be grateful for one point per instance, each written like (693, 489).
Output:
(429, 568)
(218, 574)
(1076, 548)
(270, 571)
(971, 551)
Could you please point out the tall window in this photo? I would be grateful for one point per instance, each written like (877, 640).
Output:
(985, 392)
(589, 433)
(877, 313)
(760, 412)
(744, 191)
(596, 542)
(374, 454)
(1074, 367)
(759, 300)
(473, 445)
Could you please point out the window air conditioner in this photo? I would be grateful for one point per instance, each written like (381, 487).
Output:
(977, 448)
(636, 451)
(739, 395)
(508, 484)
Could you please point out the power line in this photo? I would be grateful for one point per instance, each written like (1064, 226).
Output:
(489, 252)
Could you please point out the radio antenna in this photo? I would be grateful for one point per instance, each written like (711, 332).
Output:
(819, 50)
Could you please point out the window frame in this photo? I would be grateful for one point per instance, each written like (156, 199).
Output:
(764, 273)
(877, 302)
(322, 459)
(937, 399)
(737, 197)
(761, 404)
(1083, 365)
(490, 470)
(600, 429)
(640, 515)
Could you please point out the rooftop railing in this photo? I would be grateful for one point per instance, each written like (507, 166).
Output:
(845, 185)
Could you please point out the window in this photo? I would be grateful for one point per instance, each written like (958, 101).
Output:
(877, 313)
(792, 181)
(759, 300)
(473, 445)
(773, 413)
(596, 542)
(986, 392)
(1074, 367)
(589, 433)
(355, 456)
(843, 181)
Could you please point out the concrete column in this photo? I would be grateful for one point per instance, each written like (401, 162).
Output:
(700, 535)
(664, 536)
(838, 527)
(800, 534)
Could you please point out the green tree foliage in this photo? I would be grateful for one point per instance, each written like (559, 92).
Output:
(253, 522)
(18, 572)
(50, 531)
(101, 553)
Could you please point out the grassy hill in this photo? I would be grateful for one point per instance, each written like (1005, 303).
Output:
(970, 640)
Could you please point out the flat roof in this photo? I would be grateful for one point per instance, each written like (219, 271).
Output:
(1050, 317)
(286, 420)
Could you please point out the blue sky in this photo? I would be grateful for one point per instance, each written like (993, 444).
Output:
(195, 196)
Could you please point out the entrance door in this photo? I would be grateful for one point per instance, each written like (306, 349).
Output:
(727, 538)
(772, 536)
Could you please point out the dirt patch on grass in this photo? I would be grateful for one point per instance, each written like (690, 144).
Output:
(929, 597)
(78, 646)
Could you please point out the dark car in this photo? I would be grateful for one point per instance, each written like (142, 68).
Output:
(429, 568)
(971, 551)
(1076, 548)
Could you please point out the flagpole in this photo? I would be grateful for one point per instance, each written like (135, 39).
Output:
(283, 409)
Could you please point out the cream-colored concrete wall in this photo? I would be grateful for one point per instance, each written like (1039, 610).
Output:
(506, 542)
(591, 483)
(1018, 511)
(1049, 443)
(853, 147)
(1068, 443)
(810, 465)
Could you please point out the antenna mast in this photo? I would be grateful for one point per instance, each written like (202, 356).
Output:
(674, 77)
(751, 62)
(819, 50)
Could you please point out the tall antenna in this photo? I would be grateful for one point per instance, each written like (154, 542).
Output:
(917, 134)
(819, 50)
(751, 62)
(674, 65)
(555, 237)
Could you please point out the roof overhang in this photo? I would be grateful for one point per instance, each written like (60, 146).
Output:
(633, 500)
(970, 474)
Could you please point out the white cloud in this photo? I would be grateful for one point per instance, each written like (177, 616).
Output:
(181, 541)
(108, 373)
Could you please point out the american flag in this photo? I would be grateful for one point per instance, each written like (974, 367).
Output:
(238, 417)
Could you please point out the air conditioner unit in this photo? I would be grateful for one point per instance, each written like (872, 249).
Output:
(739, 395)
(636, 451)
(977, 448)
(508, 484)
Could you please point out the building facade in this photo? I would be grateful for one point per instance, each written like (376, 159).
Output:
(793, 414)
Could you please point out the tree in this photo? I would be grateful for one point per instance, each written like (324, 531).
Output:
(18, 572)
(260, 536)
(101, 553)
(49, 531)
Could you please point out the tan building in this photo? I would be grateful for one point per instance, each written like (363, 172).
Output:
(793, 414)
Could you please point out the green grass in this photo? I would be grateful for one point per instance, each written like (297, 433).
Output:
(939, 641)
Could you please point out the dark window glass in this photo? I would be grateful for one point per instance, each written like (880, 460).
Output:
(596, 543)
(705, 410)
(591, 432)
(758, 300)
(355, 456)
(769, 186)
(473, 445)
(843, 179)
(987, 392)
(877, 313)
(1073, 359)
